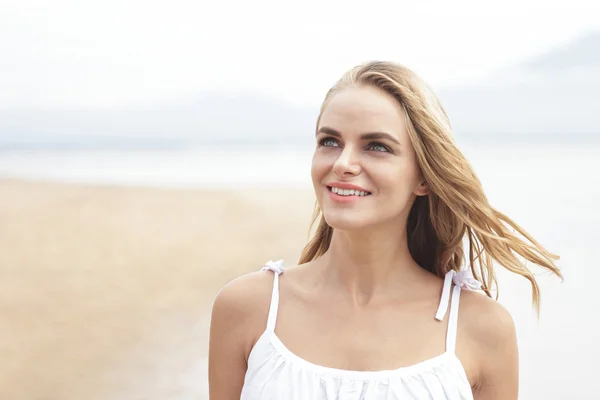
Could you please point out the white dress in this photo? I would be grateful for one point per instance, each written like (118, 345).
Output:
(275, 373)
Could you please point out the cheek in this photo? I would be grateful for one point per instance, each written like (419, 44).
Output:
(397, 179)
(319, 167)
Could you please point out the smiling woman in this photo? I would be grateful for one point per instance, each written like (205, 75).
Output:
(372, 310)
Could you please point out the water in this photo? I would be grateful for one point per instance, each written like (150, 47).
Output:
(551, 191)
(214, 167)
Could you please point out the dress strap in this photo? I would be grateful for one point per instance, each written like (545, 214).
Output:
(453, 320)
(277, 268)
(462, 280)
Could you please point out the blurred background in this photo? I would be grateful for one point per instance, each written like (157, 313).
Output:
(152, 151)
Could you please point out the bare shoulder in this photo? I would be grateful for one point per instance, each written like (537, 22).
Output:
(239, 316)
(485, 321)
(487, 331)
(246, 294)
(242, 305)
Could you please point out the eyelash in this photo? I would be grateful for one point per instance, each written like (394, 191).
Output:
(371, 144)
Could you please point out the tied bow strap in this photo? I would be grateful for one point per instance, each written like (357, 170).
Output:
(463, 279)
(275, 266)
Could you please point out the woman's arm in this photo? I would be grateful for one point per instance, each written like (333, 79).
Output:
(226, 361)
(495, 341)
(239, 316)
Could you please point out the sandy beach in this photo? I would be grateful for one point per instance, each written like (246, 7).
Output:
(105, 292)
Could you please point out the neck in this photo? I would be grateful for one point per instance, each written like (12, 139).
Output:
(368, 265)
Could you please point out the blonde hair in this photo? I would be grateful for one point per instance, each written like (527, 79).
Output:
(456, 208)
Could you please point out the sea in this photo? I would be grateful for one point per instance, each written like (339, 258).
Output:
(551, 189)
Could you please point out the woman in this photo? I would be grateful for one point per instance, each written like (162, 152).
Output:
(372, 311)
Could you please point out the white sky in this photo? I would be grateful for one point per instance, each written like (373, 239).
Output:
(111, 53)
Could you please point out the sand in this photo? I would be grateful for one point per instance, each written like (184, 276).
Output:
(105, 292)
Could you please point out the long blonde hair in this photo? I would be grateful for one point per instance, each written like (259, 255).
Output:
(456, 208)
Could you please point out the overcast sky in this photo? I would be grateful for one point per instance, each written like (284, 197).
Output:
(114, 53)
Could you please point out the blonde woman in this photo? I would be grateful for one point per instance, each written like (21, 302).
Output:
(384, 301)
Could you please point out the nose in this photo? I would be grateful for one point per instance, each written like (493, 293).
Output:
(347, 164)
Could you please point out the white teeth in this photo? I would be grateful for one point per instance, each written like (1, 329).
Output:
(348, 192)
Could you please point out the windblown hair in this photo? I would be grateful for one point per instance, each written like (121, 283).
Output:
(456, 208)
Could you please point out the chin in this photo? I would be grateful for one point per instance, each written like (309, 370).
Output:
(346, 220)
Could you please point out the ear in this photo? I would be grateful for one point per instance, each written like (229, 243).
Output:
(422, 189)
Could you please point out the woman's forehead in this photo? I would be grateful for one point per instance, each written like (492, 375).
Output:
(364, 109)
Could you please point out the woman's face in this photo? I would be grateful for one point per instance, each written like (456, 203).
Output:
(364, 169)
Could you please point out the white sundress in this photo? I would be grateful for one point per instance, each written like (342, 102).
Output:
(275, 373)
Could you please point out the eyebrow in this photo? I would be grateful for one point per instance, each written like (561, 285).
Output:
(365, 136)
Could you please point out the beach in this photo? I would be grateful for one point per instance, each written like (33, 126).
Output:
(106, 289)
(152, 152)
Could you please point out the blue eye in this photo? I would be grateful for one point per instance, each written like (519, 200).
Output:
(379, 147)
(329, 142)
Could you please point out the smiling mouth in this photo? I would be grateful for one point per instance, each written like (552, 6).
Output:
(348, 192)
